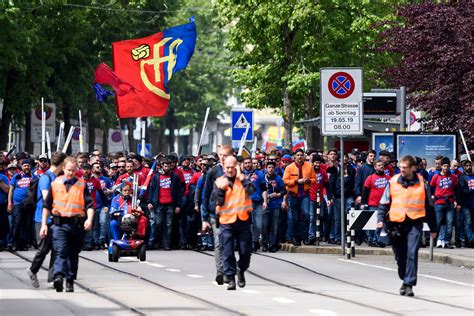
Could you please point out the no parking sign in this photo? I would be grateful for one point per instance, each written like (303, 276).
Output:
(341, 101)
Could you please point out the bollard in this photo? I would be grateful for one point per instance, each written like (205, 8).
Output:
(431, 247)
(348, 239)
(353, 249)
(318, 220)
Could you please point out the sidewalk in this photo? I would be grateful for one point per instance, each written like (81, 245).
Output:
(460, 257)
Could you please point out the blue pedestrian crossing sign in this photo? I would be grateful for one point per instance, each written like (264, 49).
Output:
(147, 149)
(241, 120)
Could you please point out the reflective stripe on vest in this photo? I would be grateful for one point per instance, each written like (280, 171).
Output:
(408, 201)
(68, 203)
(237, 204)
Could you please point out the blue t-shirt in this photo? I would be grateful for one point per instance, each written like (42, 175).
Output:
(21, 184)
(44, 184)
(104, 183)
(258, 179)
(3, 194)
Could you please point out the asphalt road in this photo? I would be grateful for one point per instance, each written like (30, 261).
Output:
(182, 283)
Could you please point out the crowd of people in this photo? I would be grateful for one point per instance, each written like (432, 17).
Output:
(180, 211)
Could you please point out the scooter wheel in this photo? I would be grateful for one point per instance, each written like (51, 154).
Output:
(142, 253)
(115, 253)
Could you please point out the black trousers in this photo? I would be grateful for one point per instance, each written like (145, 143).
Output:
(405, 246)
(241, 233)
(44, 247)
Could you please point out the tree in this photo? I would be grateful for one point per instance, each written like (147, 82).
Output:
(435, 43)
(280, 46)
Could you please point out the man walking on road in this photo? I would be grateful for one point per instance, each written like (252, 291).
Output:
(407, 201)
(233, 206)
(72, 207)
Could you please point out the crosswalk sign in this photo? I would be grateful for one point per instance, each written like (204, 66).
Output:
(241, 120)
(147, 149)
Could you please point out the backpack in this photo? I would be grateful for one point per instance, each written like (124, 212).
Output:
(32, 196)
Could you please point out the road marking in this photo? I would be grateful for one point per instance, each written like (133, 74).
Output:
(283, 300)
(156, 265)
(423, 275)
(322, 312)
(173, 270)
(250, 291)
(196, 276)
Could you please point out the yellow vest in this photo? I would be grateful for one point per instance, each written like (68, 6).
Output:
(408, 201)
(237, 204)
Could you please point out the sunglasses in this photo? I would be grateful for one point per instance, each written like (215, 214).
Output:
(121, 167)
(43, 160)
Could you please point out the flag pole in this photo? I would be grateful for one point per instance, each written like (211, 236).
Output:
(48, 142)
(465, 145)
(68, 139)
(9, 136)
(204, 126)
(60, 135)
(81, 137)
(143, 151)
(43, 128)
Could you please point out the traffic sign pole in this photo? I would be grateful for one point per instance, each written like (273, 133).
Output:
(343, 204)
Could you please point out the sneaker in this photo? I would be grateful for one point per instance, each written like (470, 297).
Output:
(440, 244)
(220, 279)
(58, 283)
(240, 279)
(33, 278)
(403, 289)
(69, 286)
(231, 286)
(448, 246)
(409, 291)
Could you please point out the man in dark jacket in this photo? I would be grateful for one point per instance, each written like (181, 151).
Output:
(466, 205)
(164, 199)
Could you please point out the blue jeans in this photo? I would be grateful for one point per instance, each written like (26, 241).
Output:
(114, 229)
(270, 226)
(257, 214)
(335, 233)
(299, 209)
(20, 226)
(463, 224)
(286, 224)
(371, 234)
(104, 219)
(444, 214)
(161, 225)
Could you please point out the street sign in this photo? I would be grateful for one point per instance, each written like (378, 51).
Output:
(50, 109)
(147, 149)
(241, 120)
(341, 101)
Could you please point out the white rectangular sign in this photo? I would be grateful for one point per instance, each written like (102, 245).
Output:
(342, 111)
(50, 109)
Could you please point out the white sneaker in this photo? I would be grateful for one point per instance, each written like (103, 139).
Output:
(33, 278)
(440, 244)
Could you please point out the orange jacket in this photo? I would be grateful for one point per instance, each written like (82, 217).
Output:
(291, 176)
(408, 201)
(237, 204)
(68, 203)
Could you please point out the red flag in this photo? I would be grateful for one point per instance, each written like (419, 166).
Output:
(104, 75)
(148, 64)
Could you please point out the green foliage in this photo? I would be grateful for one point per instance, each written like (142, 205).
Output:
(281, 44)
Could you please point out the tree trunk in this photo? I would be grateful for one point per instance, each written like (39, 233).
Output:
(91, 133)
(6, 114)
(287, 119)
(171, 127)
(28, 142)
(309, 113)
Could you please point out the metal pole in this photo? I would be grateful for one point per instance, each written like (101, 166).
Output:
(343, 211)
(403, 108)
(48, 143)
(431, 247)
(318, 218)
(81, 134)
(465, 146)
(204, 125)
(143, 151)
(348, 240)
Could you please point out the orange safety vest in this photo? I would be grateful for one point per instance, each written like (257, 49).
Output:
(408, 201)
(236, 204)
(68, 203)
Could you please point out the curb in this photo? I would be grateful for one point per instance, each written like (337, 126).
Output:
(457, 261)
